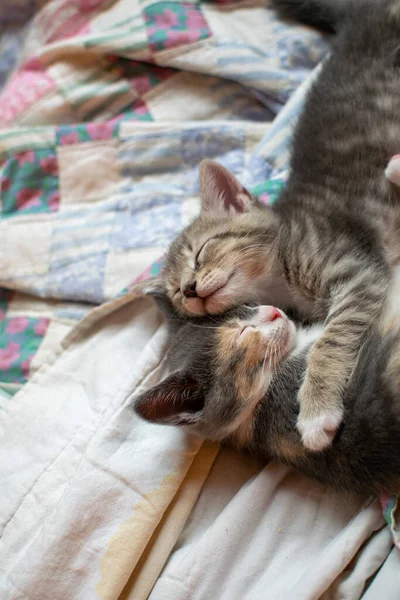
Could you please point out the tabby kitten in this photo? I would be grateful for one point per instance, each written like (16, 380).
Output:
(235, 378)
(331, 237)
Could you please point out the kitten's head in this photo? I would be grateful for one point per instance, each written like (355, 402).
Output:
(223, 258)
(221, 369)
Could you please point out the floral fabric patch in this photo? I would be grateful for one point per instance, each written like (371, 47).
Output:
(20, 338)
(172, 24)
(29, 183)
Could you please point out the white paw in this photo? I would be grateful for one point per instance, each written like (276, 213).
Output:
(317, 433)
(392, 170)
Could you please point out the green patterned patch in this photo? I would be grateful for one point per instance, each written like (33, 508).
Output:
(29, 182)
(20, 338)
(172, 24)
(269, 191)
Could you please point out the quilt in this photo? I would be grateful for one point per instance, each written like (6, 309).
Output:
(109, 109)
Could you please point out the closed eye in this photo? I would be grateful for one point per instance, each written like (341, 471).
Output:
(246, 329)
(197, 260)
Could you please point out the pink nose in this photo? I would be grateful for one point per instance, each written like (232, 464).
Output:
(269, 313)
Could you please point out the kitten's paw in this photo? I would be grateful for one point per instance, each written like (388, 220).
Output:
(392, 170)
(318, 432)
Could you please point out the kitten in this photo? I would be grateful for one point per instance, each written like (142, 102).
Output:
(331, 237)
(235, 378)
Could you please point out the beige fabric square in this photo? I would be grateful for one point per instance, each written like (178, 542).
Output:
(51, 108)
(191, 94)
(50, 346)
(25, 305)
(122, 268)
(249, 23)
(88, 172)
(25, 247)
(191, 57)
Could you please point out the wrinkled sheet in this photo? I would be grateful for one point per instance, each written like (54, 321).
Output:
(104, 124)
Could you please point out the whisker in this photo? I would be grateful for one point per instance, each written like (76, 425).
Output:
(202, 326)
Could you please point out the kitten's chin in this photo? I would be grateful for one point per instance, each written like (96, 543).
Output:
(195, 306)
(214, 304)
(218, 302)
(236, 291)
(275, 338)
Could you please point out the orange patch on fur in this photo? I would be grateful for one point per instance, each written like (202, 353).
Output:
(252, 352)
(289, 450)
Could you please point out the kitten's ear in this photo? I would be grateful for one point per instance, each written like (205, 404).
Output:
(151, 287)
(155, 288)
(178, 400)
(220, 191)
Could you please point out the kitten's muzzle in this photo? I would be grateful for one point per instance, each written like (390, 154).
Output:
(267, 314)
(268, 330)
(190, 290)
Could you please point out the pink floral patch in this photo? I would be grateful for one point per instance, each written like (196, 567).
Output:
(17, 325)
(25, 157)
(91, 4)
(195, 19)
(142, 84)
(5, 184)
(140, 108)
(41, 326)
(33, 64)
(264, 198)
(2, 315)
(54, 201)
(179, 38)
(27, 198)
(21, 338)
(70, 138)
(167, 19)
(49, 165)
(100, 131)
(172, 24)
(9, 355)
(24, 89)
(26, 365)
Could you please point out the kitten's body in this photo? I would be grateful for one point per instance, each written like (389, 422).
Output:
(365, 455)
(349, 129)
(335, 230)
(218, 393)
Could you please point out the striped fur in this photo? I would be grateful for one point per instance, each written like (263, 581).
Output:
(333, 234)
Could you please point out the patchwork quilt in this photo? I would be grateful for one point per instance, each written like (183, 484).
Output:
(103, 126)
(107, 113)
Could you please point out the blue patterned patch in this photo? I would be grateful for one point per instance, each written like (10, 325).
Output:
(148, 221)
(200, 143)
(257, 171)
(80, 280)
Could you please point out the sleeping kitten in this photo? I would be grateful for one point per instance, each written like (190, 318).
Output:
(332, 235)
(235, 378)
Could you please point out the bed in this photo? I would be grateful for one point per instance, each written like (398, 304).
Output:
(106, 110)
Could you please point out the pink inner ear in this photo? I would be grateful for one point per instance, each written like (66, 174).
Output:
(234, 194)
(221, 190)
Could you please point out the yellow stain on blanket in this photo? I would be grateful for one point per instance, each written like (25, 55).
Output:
(128, 543)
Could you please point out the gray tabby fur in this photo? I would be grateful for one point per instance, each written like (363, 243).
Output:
(329, 243)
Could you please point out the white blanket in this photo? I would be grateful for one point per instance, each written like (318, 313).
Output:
(85, 485)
